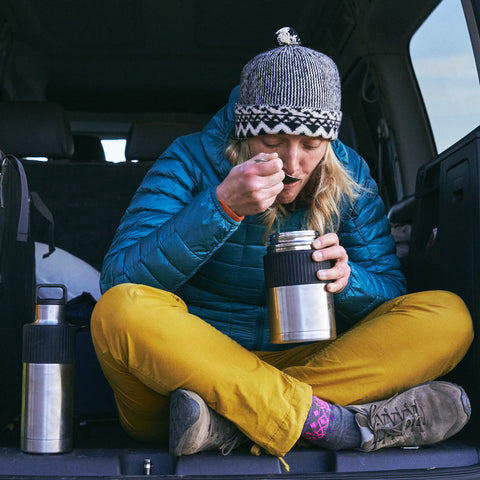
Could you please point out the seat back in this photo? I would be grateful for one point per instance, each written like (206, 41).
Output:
(146, 141)
(35, 129)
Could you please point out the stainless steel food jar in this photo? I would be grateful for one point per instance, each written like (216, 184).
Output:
(300, 308)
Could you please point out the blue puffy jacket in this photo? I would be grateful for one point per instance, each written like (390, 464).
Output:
(175, 236)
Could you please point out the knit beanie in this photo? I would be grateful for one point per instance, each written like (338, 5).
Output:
(291, 90)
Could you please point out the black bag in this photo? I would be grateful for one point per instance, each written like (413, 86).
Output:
(17, 278)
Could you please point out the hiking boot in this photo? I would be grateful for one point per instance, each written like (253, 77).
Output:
(422, 415)
(195, 427)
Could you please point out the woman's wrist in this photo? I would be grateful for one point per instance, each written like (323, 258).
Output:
(230, 212)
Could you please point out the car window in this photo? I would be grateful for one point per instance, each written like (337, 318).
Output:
(114, 150)
(443, 61)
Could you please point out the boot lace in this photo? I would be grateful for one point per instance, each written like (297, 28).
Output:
(233, 442)
(388, 424)
(224, 435)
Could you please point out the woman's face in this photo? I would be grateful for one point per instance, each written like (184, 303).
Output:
(300, 156)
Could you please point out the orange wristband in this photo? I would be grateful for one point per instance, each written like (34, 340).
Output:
(230, 212)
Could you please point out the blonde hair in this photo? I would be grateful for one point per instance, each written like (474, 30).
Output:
(327, 187)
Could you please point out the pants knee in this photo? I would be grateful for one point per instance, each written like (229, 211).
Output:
(112, 306)
(450, 317)
(127, 308)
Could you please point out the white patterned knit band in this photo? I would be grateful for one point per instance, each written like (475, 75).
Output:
(254, 120)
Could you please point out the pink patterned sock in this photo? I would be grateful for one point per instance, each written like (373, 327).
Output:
(331, 426)
(318, 418)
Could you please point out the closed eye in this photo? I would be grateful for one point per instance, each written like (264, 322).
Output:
(311, 146)
(271, 145)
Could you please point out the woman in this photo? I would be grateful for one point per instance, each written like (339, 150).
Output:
(182, 329)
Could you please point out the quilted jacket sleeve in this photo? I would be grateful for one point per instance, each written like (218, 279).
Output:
(172, 226)
(376, 275)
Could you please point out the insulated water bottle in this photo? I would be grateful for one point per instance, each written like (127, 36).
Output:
(47, 387)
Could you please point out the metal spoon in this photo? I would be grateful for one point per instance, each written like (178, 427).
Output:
(288, 178)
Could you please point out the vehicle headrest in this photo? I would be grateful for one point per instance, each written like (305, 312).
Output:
(35, 129)
(87, 148)
(146, 141)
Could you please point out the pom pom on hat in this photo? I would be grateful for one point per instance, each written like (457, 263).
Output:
(287, 36)
(290, 90)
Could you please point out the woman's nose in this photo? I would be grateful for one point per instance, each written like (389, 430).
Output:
(290, 159)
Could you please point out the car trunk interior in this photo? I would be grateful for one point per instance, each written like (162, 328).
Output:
(115, 66)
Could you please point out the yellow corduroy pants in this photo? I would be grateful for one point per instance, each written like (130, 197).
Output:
(149, 345)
